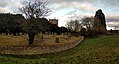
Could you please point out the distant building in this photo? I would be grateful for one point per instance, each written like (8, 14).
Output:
(53, 21)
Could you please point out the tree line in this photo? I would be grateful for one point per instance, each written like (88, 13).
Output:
(89, 26)
(11, 24)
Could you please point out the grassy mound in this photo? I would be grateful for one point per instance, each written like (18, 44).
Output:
(101, 50)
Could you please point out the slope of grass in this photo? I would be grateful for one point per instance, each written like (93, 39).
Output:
(100, 50)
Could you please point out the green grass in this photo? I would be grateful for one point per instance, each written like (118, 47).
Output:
(100, 50)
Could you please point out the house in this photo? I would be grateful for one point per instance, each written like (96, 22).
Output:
(54, 21)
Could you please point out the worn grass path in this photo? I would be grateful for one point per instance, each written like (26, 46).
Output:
(100, 50)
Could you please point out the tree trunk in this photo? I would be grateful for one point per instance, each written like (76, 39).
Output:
(6, 33)
(14, 33)
(31, 38)
(1, 33)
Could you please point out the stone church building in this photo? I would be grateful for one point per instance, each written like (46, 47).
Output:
(53, 21)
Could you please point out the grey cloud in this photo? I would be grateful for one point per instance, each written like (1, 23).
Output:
(111, 2)
(4, 3)
(69, 1)
(71, 12)
(94, 3)
(79, 16)
(76, 5)
(112, 20)
(75, 16)
(9, 6)
(112, 24)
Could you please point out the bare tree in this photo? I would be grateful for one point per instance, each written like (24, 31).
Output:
(88, 22)
(73, 25)
(34, 10)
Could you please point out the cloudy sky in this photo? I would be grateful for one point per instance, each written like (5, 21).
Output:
(72, 9)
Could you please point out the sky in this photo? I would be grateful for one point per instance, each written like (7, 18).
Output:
(65, 10)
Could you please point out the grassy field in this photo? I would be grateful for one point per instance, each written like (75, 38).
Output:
(101, 50)
(10, 40)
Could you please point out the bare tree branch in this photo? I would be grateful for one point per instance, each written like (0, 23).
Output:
(73, 25)
(35, 9)
(88, 22)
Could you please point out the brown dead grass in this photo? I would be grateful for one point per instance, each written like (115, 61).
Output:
(50, 40)
(6, 40)
(9, 40)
